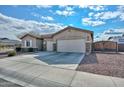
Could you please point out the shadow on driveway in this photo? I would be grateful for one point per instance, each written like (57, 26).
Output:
(54, 58)
(89, 59)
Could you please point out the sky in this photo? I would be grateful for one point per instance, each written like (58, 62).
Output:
(103, 20)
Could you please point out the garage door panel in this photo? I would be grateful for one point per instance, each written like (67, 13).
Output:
(71, 46)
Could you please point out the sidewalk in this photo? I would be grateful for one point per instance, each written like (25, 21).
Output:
(4, 83)
(28, 74)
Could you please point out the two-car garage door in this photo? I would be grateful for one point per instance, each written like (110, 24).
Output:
(71, 45)
(76, 45)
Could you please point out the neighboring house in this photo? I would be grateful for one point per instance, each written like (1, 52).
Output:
(32, 41)
(105, 46)
(119, 40)
(6, 43)
(114, 43)
(69, 39)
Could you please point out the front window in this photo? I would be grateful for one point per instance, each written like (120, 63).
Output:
(28, 43)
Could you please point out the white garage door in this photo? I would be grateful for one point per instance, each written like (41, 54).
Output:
(71, 46)
(49, 45)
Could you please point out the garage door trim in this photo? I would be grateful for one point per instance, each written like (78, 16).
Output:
(71, 45)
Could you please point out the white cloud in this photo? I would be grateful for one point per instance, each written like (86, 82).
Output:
(96, 8)
(65, 12)
(36, 14)
(97, 15)
(107, 15)
(83, 6)
(90, 22)
(113, 31)
(122, 16)
(93, 7)
(69, 8)
(43, 6)
(17, 26)
(120, 8)
(66, 7)
(47, 18)
(109, 33)
(71, 25)
(118, 13)
(91, 14)
(110, 15)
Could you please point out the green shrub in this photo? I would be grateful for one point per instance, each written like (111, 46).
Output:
(30, 50)
(11, 53)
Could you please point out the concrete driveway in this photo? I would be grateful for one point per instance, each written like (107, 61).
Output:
(61, 60)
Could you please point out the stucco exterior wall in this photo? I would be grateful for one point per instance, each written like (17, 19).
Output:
(70, 34)
(29, 38)
(48, 39)
(89, 38)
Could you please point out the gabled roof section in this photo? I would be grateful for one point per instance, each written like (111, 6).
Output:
(70, 27)
(31, 34)
(47, 36)
(53, 34)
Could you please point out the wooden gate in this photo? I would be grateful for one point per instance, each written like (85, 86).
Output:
(105, 46)
(121, 47)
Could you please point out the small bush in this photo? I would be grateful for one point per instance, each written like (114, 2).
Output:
(11, 53)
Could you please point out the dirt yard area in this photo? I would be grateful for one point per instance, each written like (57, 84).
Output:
(110, 64)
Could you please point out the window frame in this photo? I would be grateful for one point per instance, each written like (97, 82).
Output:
(28, 43)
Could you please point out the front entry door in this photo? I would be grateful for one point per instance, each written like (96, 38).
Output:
(54, 47)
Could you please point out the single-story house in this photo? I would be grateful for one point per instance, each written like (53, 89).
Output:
(8, 41)
(69, 39)
(105, 46)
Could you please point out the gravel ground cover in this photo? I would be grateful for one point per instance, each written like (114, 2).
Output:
(111, 64)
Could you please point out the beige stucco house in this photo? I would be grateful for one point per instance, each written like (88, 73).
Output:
(69, 39)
